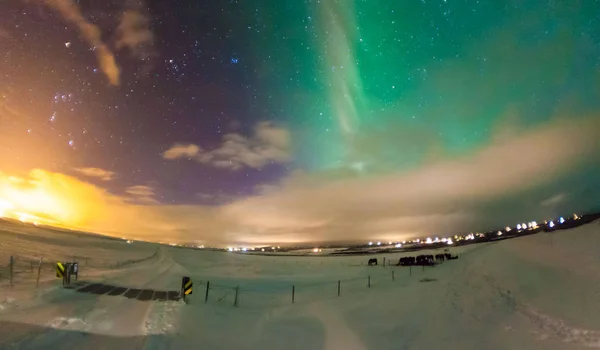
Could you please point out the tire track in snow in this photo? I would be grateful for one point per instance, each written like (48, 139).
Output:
(337, 333)
(93, 315)
(554, 327)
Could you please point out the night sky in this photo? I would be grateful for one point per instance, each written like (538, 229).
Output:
(271, 121)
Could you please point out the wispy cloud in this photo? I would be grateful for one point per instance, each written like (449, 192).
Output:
(102, 174)
(179, 151)
(4, 34)
(268, 143)
(142, 194)
(91, 33)
(134, 33)
(554, 200)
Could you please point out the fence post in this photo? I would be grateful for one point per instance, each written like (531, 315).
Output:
(384, 262)
(11, 269)
(293, 293)
(392, 275)
(206, 295)
(339, 288)
(37, 282)
(235, 301)
(369, 282)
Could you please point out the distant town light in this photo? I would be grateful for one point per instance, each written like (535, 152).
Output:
(561, 220)
(523, 226)
(428, 241)
(518, 226)
(507, 229)
(499, 233)
(244, 249)
(378, 243)
(370, 243)
(551, 224)
(449, 241)
(575, 216)
(316, 250)
(263, 249)
(230, 249)
(398, 245)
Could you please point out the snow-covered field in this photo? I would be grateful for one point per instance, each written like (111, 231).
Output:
(536, 292)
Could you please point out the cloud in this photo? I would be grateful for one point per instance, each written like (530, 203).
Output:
(142, 194)
(267, 144)
(91, 34)
(4, 34)
(216, 198)
(104, 175)
(554, 200)
(441, 197)
(178, 151)
(133, 31)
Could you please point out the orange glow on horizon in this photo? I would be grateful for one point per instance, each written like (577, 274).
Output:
(45, 198)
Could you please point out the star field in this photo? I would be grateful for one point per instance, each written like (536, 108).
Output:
(210, 103)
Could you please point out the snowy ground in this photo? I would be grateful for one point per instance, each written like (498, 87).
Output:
(536, 292)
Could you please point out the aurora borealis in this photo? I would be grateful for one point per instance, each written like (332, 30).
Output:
(270, 121)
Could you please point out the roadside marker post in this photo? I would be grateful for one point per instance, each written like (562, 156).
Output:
(207, 289)
(60, 271)
(37, 282)
(74, 270)
(68, 270)
(12, 263)
(186, 287)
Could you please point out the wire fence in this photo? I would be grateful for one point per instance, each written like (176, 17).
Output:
(249, 293)
(21, 267)
(271, 294)
(277, 295)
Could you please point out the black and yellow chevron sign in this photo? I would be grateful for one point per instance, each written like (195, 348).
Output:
(60, 270)
(186, 285)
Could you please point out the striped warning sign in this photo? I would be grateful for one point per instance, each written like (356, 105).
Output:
(60, 270)
(186, 285)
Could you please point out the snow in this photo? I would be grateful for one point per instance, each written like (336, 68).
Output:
(535, 292)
